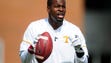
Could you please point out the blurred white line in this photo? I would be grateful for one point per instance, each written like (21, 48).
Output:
(1, 51)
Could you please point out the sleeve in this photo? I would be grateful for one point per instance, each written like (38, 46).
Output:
(28, 39)
(79, 39)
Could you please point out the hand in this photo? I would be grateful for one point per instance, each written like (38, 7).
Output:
(39, 58)
(31, 49)
(79, 51)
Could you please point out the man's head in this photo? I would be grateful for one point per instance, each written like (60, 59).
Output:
(56, 10)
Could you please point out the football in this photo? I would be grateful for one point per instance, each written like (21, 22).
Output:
(43, 47)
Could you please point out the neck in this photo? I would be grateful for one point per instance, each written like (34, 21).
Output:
(54, 24)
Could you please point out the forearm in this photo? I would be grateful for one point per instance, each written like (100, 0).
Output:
(83, 59)
(81, 54)
(26, 57)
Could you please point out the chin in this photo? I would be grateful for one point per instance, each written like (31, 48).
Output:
(60, 20)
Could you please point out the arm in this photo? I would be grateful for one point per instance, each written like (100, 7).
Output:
(25, 55)
(80, 47)
(81, 56)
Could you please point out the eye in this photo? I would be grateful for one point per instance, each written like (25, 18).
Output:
(63, 6)
(57, 6)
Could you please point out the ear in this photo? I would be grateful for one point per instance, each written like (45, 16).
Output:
(48, 9)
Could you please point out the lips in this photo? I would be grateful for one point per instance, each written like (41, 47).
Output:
(60, 15)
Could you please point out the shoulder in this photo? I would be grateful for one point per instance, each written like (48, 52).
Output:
(37, 23)
(70, 25)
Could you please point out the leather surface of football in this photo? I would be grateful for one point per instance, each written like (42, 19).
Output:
(43, 47)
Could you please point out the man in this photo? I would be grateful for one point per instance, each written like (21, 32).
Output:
(68, 42)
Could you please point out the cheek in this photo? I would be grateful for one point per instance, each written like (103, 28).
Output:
(54, 11)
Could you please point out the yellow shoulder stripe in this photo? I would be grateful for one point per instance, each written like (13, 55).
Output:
(26, 41)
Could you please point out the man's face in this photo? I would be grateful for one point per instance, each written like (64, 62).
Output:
(57, 10)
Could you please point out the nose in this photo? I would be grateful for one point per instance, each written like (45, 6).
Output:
(61, 9)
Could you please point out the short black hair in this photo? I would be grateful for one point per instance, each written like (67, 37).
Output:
(49, 2)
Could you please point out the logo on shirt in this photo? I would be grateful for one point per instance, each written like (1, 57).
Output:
(66, 38)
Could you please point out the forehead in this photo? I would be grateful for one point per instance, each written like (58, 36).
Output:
(58, 1)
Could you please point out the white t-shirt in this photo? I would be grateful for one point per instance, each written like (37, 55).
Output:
(64, 39)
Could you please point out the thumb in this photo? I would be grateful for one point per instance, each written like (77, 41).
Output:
(31, 49)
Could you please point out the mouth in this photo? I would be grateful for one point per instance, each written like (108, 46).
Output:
(60, 15)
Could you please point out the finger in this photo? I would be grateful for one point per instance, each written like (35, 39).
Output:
(39, 57)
